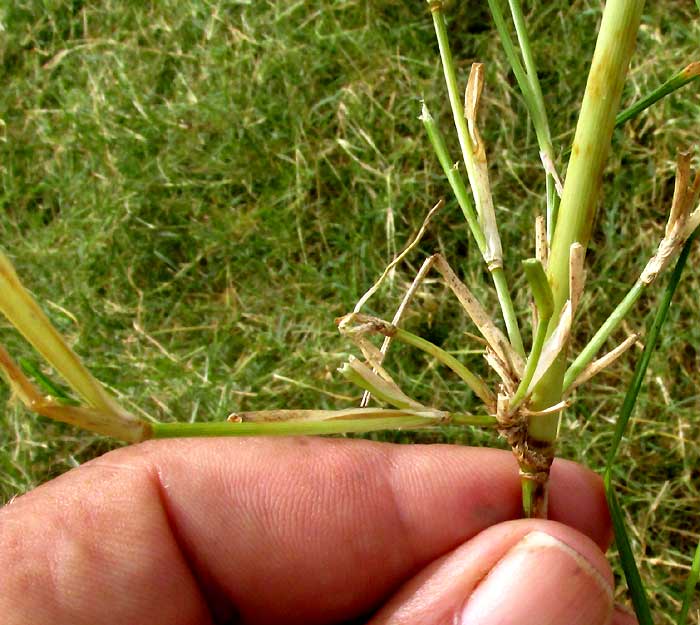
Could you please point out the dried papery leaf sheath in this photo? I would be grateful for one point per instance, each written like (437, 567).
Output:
(108, 423)
(487, 214)
(24, 313)
(603, 362)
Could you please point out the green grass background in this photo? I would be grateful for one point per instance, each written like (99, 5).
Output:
(196, 189)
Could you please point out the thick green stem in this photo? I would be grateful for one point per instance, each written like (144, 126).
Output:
(591, 144)
(533, 505)
(616, 40)
(614, 47)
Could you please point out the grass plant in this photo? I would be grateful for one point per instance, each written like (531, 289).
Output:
(192, 233)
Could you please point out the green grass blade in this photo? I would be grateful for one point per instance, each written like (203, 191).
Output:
(529, 84)
(678, 80)
(692, 580)
(629, 566)
(475, 382)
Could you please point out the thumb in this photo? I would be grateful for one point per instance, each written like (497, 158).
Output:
(528, 572)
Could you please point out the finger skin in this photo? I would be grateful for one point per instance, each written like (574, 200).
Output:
(298, 530)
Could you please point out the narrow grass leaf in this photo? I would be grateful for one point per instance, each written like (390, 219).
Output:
(454, 178)
(678, 80)
(534, 107)
(629, 566)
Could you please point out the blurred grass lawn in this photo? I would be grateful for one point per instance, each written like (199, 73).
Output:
(195, 190)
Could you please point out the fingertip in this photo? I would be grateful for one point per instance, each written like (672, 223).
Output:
(529, 571)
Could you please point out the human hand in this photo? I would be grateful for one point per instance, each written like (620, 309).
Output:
(309, 531)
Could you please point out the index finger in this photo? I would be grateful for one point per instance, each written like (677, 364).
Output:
(294, 530)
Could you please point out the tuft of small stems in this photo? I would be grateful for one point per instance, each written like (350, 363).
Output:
(530, 395)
